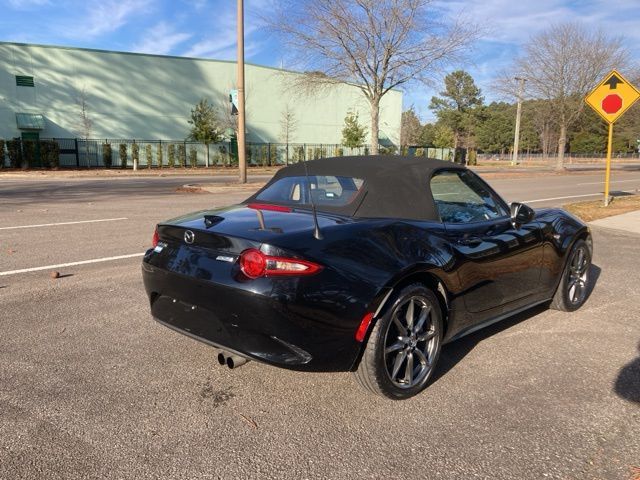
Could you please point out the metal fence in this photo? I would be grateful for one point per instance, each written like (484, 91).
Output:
(594, 157)
(94, 153)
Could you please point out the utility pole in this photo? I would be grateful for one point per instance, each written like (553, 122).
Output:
(242, 161)
(516, 140)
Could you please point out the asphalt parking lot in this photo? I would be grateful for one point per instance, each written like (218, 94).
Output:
(92, 387)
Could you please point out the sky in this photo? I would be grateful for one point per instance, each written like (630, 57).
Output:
(206, 29)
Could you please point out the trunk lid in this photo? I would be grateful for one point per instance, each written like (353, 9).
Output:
(206, 245)
(233, 229)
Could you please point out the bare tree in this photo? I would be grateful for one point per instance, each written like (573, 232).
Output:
(288, 127)
(85, 124)
(562, 64)
(541, 113)
(410, 128)
(377, 45)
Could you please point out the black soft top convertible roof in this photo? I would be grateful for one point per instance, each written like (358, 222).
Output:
(394, 186)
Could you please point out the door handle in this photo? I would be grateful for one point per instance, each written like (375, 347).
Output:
(471, 241)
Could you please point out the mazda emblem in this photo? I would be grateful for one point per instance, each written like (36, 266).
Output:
(189, 237)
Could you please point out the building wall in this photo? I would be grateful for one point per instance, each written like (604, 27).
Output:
(150, 96)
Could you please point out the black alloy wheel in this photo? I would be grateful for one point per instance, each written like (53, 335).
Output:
(574, 285)
(404, 345)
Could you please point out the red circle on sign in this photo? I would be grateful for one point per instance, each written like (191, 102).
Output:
(612, 103)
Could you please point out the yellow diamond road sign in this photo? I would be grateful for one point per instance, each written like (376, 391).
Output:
(612, 97)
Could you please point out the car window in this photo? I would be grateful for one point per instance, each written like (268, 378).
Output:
(325, 190)
(461, 197)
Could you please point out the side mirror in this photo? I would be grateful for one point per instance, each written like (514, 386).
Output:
(521, 214)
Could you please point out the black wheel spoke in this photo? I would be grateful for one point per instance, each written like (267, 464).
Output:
(422, 318)
(409, 316)
(394, 348)
(401, 328)
(408, 374)
(422, 358)
(426, 336)
(400, 358)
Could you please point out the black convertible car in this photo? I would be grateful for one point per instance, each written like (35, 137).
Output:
(363, 264)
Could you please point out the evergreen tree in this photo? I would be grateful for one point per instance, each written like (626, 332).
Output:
(443, 136)
(353, 134)
(205, 125)
(496, 127)
(457, 106)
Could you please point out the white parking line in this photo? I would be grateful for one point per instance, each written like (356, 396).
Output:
(71, 264)
(64, 223)
(571, 196)
(612, 181)
(561, 198)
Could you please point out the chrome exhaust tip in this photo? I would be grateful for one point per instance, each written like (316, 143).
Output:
(222, 359)
(230, 360)
(235, 361)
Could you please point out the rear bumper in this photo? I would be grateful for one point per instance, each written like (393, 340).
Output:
(265, 324)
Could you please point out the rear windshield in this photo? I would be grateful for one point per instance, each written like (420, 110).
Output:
(325, 190)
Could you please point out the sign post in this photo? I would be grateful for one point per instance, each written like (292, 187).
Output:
(607, 175)
(610, 100)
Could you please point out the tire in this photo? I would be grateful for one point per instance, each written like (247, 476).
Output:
(574, 285)
(404, 345)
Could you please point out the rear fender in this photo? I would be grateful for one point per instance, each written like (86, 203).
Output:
(429, 275)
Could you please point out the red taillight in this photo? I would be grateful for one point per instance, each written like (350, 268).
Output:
(156, 238)
(266, 206)
(364, 326)
(254, 264)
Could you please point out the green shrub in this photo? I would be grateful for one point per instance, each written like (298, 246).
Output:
(148, 155)
(14, 149)
(135, 154)
(273, 155)
(223, 154)
(50, 153)
(45, 146)
(309, 153)
(182, 155)
(123, 155)
(193, 156)
(391, 150)
(171, 155)
(419, 152)
(28, 153)
(107, 155)
(159, 158)
(340, 152)
(1, 153)
(472, 159)
(298, 154)
(264, 155)
(54, 154)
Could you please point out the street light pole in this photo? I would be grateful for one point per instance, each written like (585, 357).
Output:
(516, 140)
(242, 163)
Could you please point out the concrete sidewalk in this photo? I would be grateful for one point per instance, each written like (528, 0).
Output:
(628, 222)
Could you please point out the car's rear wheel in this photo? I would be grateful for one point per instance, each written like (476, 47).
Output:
(574, 285)
(404, 346)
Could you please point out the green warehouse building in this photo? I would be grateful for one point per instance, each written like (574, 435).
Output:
(149, 98)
